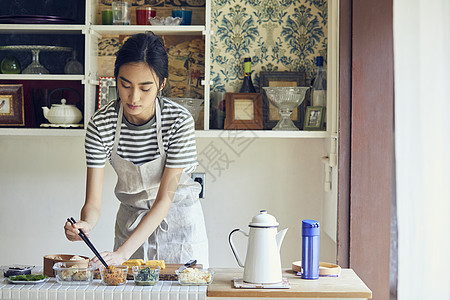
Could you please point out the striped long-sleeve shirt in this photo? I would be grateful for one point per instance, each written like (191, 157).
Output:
(139, 144)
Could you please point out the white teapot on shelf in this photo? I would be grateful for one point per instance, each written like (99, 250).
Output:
(262, 262)
(62, 113)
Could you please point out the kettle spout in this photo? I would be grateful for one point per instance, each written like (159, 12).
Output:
(45, 110)
(280, 236)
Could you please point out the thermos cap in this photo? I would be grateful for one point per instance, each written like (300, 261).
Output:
(310, 227)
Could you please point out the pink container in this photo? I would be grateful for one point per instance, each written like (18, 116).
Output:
(143, 14)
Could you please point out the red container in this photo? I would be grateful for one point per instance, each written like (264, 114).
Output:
(143, 14)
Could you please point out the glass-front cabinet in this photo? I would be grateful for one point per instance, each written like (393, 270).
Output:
(54, 52)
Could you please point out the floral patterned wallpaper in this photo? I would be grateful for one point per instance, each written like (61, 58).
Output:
(278, 35)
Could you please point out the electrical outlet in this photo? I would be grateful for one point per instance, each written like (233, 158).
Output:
(200, 178)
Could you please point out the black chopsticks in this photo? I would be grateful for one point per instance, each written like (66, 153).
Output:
(88, 242)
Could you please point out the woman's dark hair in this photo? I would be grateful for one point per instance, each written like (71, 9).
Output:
(144, 47)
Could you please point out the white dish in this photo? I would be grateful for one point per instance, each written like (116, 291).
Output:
(27, 281)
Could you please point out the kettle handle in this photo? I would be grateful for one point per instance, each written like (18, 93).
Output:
(230, 240)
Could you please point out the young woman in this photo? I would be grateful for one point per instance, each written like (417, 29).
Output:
(150, 142)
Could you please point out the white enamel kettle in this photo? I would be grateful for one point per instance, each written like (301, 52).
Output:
(262, 262)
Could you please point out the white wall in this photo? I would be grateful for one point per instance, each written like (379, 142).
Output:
(42, 181)
(422, 147)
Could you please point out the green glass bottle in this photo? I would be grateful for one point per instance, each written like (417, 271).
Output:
(247, 84)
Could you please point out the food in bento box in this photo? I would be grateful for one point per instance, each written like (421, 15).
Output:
(70, 260)
(194, 276)
(159, 263)
(146, 275)
(72, 274)
(114, 275)
(76, 257)
(133, 262)
(28, 277)
(16, 270)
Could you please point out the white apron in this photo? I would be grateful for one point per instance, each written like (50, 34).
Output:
(181, 236)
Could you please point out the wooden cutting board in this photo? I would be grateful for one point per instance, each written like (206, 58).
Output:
(168, 274)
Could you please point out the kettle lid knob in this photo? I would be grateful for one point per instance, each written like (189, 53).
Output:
(263, 220)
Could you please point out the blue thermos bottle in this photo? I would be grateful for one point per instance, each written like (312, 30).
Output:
(310, 249)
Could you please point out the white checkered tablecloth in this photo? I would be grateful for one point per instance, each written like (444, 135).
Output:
(52, 290)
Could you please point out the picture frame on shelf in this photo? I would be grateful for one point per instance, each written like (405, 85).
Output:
(107, 90)
(11, 105)
(271, 114)
(315, 117)
(243, 111)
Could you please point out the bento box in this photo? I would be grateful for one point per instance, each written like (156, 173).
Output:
(194, 276)
(146, 275)
(67, 273)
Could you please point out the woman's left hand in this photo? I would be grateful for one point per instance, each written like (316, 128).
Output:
(111, 258)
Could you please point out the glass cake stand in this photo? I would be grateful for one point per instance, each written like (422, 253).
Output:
(35, 67)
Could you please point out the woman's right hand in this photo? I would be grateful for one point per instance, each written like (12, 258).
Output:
(71, 231)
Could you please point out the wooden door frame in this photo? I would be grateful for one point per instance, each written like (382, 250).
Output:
(366, 140)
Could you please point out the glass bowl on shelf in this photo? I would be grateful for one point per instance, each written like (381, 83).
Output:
(168, 21)
(193, 105)
(286, 99)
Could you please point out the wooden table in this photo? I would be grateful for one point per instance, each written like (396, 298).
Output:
(347, 286)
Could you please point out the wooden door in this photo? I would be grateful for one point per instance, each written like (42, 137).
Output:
(366, 141)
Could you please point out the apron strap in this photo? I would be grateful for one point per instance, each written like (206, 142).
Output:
(164, 227)
(159, 129)
(118, 126)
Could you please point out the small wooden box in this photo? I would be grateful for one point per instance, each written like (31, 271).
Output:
(50, 260)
